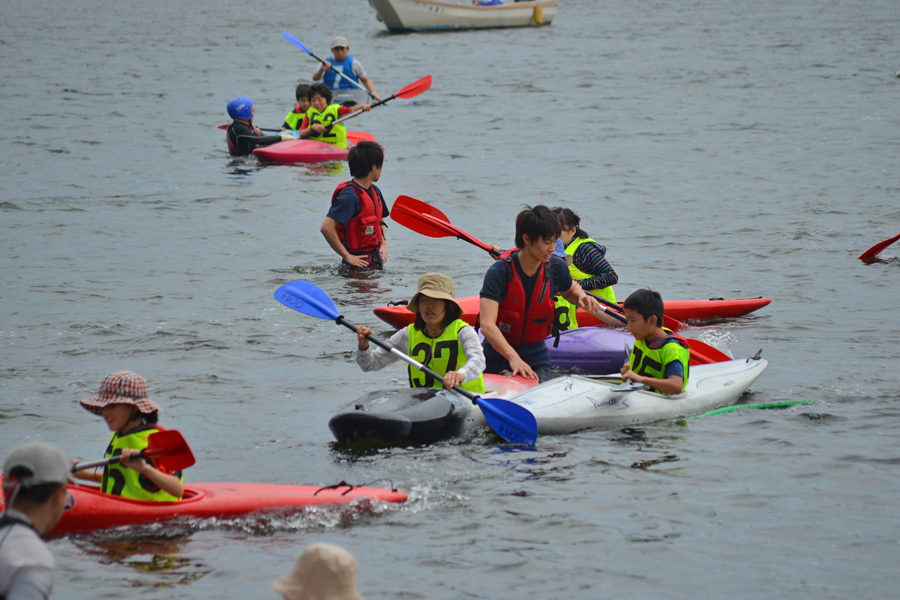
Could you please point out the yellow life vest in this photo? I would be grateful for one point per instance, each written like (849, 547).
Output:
(565, 310)
(128, 483)
(650, 360)
(440, 354)
(337, 135)
(294, 119)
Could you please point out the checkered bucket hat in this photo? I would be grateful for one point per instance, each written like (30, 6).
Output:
(123, 387)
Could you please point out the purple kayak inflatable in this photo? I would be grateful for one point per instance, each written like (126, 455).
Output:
(590, 349)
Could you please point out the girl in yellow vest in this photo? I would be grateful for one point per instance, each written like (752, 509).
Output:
(587, 265)
(438, 338)
(131, 416)
(321, 115)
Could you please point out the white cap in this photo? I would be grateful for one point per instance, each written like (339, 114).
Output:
(46, 463)
(340, 42)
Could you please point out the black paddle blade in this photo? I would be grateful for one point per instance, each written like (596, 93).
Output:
(305, 297)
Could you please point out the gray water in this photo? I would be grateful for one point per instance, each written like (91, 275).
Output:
(718, 149)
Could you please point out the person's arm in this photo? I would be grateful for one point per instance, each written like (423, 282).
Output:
(582, 299)
(320, 72)
(371, 87)
(360, 74)
(164, 481)
(383, 248)
(375, 358)
(92, 475)
(670, 385)
(489, 311)
(475, 362)
(359, 107)
(30, 583)
(245, 140)
(329, 230)
(590, 258)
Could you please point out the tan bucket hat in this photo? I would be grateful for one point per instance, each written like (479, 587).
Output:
(323, 572)
(434, 285)
(124, 387)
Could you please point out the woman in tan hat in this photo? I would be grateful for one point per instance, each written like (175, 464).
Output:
(323, 572)
(131, 416)
(438, 338)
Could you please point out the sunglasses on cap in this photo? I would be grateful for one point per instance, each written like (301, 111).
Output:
(339, 48)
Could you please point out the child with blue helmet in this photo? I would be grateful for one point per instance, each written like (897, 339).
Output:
(242, 136)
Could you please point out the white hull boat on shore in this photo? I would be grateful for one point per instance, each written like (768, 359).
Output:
(426, 15)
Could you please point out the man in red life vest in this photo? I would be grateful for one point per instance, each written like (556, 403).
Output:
(517, 298)
(354, 226)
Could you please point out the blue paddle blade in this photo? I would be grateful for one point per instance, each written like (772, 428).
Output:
(514, 423)
(305, 297)
(295, 41)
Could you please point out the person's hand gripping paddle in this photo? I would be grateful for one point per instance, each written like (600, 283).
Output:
(512, 422)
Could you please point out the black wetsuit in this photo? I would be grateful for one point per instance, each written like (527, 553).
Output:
(242, 139)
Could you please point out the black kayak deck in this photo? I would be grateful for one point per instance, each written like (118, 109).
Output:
(408, 415)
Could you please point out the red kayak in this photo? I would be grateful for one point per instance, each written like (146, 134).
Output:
(682, 310)
(88, 509)
(309, 151)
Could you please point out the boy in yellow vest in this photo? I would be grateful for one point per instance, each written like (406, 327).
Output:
(295, 117)
(659, 359)
(131, 416)
(322, 114)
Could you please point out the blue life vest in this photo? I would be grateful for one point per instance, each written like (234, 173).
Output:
(335, 81)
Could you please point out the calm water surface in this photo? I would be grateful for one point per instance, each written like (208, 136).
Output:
(719, 149)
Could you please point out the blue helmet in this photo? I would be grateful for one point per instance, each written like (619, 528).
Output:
(239, 108)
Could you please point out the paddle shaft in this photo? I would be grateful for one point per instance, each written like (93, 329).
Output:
(408, 359)
(311, 133)
(102, 463)
(297, 43)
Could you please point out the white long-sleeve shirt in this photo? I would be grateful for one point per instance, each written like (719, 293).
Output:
(376, 358)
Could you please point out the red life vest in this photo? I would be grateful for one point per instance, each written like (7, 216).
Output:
(362, 233)
(522, 320)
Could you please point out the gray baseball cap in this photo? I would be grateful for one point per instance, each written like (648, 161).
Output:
(48, 464)
(340, 42)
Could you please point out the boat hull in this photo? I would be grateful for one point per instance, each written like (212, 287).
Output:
(300, 151)
(682, 310)
(418, 415)
(573, 403)
(88, 509)
(350, 97)
(434, 15)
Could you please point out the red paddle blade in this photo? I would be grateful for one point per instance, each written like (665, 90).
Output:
(414, 214)
(359, 136)
(704, 354)
(415, 88)
(223, 127)
(674, 324)
(429, 221)
(169, 450)
(877, 248)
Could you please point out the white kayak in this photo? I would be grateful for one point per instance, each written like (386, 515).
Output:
(575, 402)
